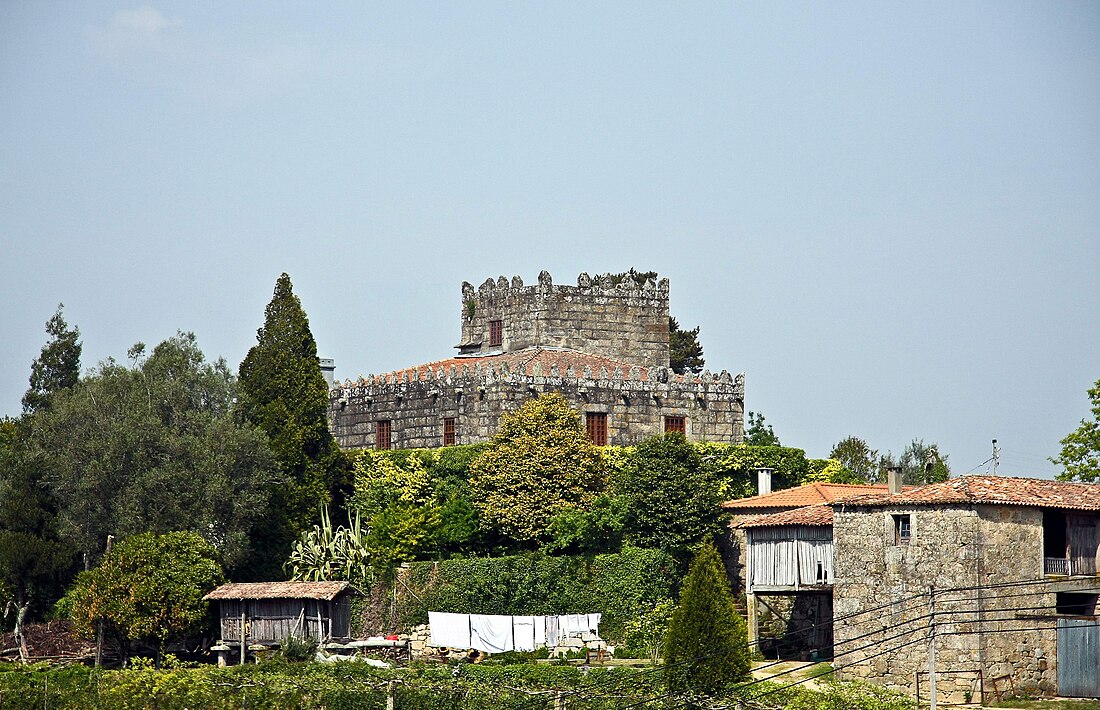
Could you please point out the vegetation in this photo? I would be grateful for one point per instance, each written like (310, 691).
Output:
(57, 367)
(672, 497)
(149, 587)
(757, 433)
(706, 648)
(1080, 457)
(284, 394)
(539, 464)
(855, 455)
(119, 442)
(685, 352)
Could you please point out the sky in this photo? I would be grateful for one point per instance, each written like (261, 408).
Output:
(886, 214)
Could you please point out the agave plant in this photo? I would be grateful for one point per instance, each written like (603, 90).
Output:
(326, 553)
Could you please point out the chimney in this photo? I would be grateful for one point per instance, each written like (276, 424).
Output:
(763, 481)
(893, 479)
(328, 368)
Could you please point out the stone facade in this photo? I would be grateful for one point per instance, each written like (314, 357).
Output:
(626, 322)
(597, 345)
(990, 639)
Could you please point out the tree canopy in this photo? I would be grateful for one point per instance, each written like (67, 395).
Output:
(58, 365)
(148, 587)
(757, 433)
(283, 392)
(685, 352)
(539, 464)
(153, 448)
(672, 496)
(856, 455)
(706, 648)
(1080, 457)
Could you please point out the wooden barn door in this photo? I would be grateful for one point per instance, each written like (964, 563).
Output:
(1078, 658)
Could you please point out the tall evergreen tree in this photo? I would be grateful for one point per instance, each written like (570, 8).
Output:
(58, 366)
(706, 648)
(282, 391)
(685, 352)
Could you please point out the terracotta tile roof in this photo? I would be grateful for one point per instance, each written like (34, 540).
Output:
(812, 515)
(279, 590)
(808, 494)
(526, 361)
(998, 490)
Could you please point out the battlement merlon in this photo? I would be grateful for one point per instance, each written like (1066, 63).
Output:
(626, 321)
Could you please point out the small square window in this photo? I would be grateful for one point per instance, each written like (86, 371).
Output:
(675, 424)
(448, 431)
(382, 435)
(496, 333)
(903, 529)
(596, 424)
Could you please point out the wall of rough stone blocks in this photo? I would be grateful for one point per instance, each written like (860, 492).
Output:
(713, 406)
(881, 585)
(625, 322)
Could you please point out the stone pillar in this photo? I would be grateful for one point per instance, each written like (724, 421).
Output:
(751, 621)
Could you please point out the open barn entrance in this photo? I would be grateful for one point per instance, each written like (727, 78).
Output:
(795, 626)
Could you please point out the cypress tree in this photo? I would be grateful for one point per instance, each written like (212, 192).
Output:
(706, 648)
(282, 391)
(58, 365)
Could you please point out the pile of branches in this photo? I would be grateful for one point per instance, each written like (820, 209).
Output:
(52, 640)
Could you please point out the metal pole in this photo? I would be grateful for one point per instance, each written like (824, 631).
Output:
(242, 632)
(932, 648)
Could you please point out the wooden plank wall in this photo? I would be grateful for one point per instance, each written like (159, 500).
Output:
(272, 620)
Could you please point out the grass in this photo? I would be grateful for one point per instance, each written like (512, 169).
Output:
(1060, 704)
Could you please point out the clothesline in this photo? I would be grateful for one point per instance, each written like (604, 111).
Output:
(497, 633)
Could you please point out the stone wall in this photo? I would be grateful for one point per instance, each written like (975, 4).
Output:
(626, 322)
(416, 402)
(882, 589)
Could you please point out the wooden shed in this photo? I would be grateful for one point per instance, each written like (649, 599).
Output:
(269, 612)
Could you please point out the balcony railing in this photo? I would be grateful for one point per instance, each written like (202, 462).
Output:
(1068, 568)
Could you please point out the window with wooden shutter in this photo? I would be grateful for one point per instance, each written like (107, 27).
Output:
(675, 424)
(496, 333)
(448, 431)
(382, 435)
(596, 423)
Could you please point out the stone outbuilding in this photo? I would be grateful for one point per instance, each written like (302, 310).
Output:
(990, 581)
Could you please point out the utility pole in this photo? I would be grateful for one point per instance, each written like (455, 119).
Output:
(996, 456)
(932, 648)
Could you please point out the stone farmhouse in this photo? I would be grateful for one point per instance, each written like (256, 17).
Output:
(604, 346)
(996, 574)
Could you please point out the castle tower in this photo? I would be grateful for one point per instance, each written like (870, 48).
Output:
(625, 321)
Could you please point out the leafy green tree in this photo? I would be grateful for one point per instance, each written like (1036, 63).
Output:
(706, 648)
(149, 587)
(685, 352)
(283, 392)
(672, 496)
(32, 556)
(922, 463)
(735, 467)
(58, 365)
(155, 448)
(540, 463)
(758, 433)
(855, 455)
(598, 529)
(1080, 457)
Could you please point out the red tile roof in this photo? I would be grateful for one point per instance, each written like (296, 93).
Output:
(279, 590)
(808, 494)
(525, 361)
(812, 515)
(998, 490)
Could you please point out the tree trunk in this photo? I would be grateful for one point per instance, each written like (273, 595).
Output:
(21, 606)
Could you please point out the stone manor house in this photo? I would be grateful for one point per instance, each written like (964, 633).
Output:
(997, 574)
(604, 346)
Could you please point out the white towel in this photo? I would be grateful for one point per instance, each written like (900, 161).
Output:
(540, 631)
(552, 631)
(594, 623)
(523, 633)
(449, 630)
(491, 633)
(576, 623)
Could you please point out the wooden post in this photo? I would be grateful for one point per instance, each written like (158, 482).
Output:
(243, 621)
(390, 695)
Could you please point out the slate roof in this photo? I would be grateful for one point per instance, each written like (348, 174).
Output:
(326, 591)
(526, 361)
(998, 490)
(809, 494)
(811, 515)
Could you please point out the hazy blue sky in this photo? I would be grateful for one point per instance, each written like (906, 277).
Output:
(887, 215)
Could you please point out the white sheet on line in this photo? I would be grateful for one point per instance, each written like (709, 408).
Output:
(523, 633)
(594, 623)
(552, 631)
(449, 630)
(540, 631)
(491, 633)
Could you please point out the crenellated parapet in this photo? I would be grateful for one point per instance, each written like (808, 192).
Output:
(635, 400)
(626, 320)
